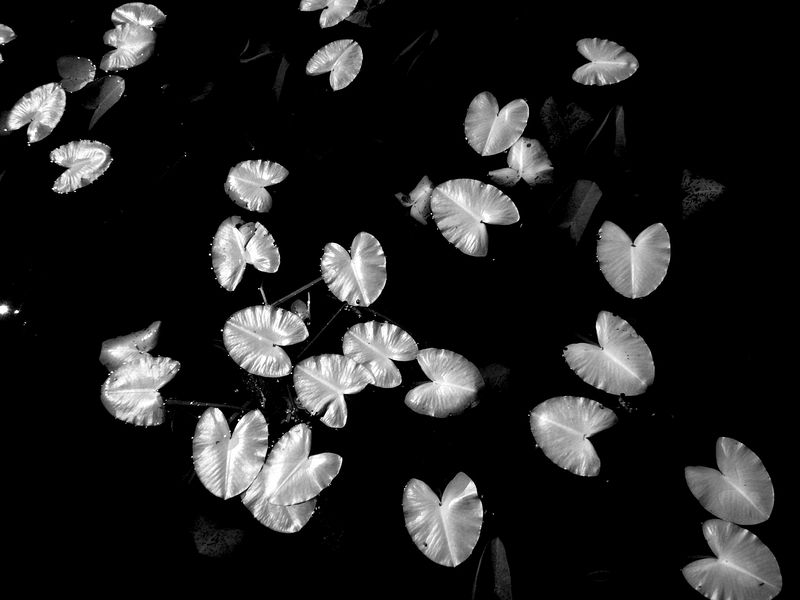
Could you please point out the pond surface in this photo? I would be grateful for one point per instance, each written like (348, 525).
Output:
(116, 504)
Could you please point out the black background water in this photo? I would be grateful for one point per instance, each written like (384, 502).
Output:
(110, 504)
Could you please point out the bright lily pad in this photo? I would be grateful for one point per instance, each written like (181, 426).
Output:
(633, 268)
(117, 351)
(237, 244)
(40, 109)
(610, 63)
(130, 393)
(359, 277)
(375, 345)
(489, 129)
(453, 388)
(85, 161)
(342, 59)
(248, 181)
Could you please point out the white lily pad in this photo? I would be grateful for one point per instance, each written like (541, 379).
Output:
(562, 427)
(359, 277)
(138, 13)
(333, 11)
(419, 200)
(130, 393)
(527, 160)
(40, 109)
(237, 244)
(85, 161)
(117, 351)
(453, 388)
(446, 530)
(740, 492)
(375, 345)
(461, 209)
(227, 464)
(248, 181)
(621, 364)
(489, 129)
(133, 44)
(610, 62)
(290, 476)
(342, 59)
(321, 383)
(254, 338)
(744, 568)
(633, 268)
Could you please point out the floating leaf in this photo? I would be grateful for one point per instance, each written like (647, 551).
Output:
(359, 277)
(744, 569)
(283, 519)
(461, 207)
(446, 530)
(237, 244)
(40, 109)
(699, 192)
(6, 35)
(527, 160)
(134, 45)
(117, 351)
(375, 345)
(562, 427)
(290, 476)
(579, 208)
(610, 63)
(493, 576)
(247, 182)
(111, 90)
(322, 381)
(85, 161)
(302, 309)
(342, 59)
(130, 393)
(633, 268)
(138, 13)
(227, 464)
(75, 72)
(740, 492)
(333, 11)
(562, 124)
(253, 338)
(621, 364)
(453, 388)
(490, 130)
(419, 200)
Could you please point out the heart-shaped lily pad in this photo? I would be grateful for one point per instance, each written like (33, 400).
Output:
(359, 277)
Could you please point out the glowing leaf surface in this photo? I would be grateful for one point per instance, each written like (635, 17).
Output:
(359, 277)
(130, 393)
(633, 268)
(453, 388)
(490, 130)
(248, 181)
(85, 161)
(375, 345)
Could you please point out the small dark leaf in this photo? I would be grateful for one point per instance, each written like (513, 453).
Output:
(113, 87)
(697, 192)
(620, 141)
(360, 18)
(493, 577)
(561, 124)
(75, 72)
(214, 540)
(579, 208)
(497, 377)
(280, 77)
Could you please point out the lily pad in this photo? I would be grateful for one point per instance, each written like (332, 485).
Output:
(610, 62)
(342, 59)
(130, 393)
(489, 129)
(453, 388)
(359, 277)
(633, 268)
(375, 345)
(248, 181)
(85, 161)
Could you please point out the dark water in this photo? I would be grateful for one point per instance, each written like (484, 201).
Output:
(111, 504)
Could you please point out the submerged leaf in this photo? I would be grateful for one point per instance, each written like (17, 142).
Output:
(253, 338)
(138, 13)
(490, 130)
(375, 345)
(302, 308)
(134, 45)
(359, 277)
(579, 208)
(527, 160)
(461, 207)
(698, 192)
(621, 364)
(227, 464)
(333, 11)
(321, 383)
(610, 63)
(117, 351)
(562, 124)
(85, 161)
(41, 109)
(75, 72)
(493, 576)
(419, 200)
(446, 530)
(237, 244)
(562, 427)
(453, 388)
(130, 393)
(633, 268)
(342, 59)
(111, 90)
(740, 492)
(744, 568)
(290, 476)
(247, 182)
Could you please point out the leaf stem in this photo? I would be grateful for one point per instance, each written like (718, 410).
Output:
(299, 290)
(321, 331)
(195, 404)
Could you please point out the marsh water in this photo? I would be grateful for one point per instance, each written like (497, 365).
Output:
(119, 505)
